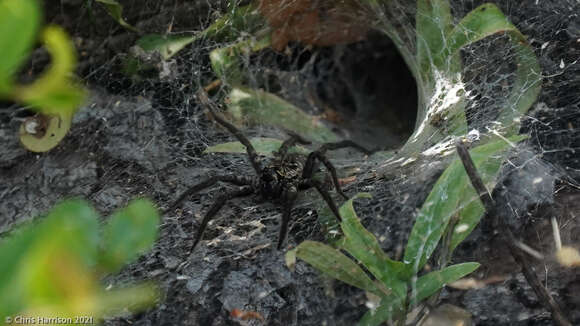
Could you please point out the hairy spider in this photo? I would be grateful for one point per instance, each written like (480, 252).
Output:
(281, 180)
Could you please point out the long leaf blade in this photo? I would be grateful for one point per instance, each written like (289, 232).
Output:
(264, 146)
(430, 283)
(260, 107)
(363, 246)
(336, 265)
(487, 20)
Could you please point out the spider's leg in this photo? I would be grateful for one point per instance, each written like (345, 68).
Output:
(325, 195)
(233, 179)
(252, 154)
(289, 198)
(214, 209)
(320, 155)
(331, 169)
(288, 143)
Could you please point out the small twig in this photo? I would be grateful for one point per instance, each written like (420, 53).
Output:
(541, 292)
(556, 231)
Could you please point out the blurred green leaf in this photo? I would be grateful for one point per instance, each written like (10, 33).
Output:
(451, 195)
(363, 246)
(336, 265)
(40, 261)
(129, 233)
(264, 146)
(54, 94)
(19, 22)
(133, 299)
(49, 269)
(116, 11)
(430, 283)
(259, 107)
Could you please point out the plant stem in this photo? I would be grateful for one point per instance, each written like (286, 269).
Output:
(508, 236)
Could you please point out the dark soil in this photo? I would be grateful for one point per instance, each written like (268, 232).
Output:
(146, 138)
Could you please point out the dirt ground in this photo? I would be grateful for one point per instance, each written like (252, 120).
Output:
(146, 138)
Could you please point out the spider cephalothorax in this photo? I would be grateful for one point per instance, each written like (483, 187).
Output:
(281, 180)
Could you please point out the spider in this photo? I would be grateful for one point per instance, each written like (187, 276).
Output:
(280, 180)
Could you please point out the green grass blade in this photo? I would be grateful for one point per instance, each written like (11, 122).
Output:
(335, 264)
(451, 195)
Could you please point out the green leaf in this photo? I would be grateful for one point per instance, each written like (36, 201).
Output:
(434, 21)
(487, 20)
(264, 146)
(19, 22)
(167, 45)
(391, 307)
(259, 107)
(389, 310)
(336, 265)
(453, 194)
(129, 233)
(363, 246)
(238, 21)
(226, 62)
(116, 11)
(430, 283)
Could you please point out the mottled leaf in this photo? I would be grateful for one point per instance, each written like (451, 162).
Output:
(264, 146)
(259, 107)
